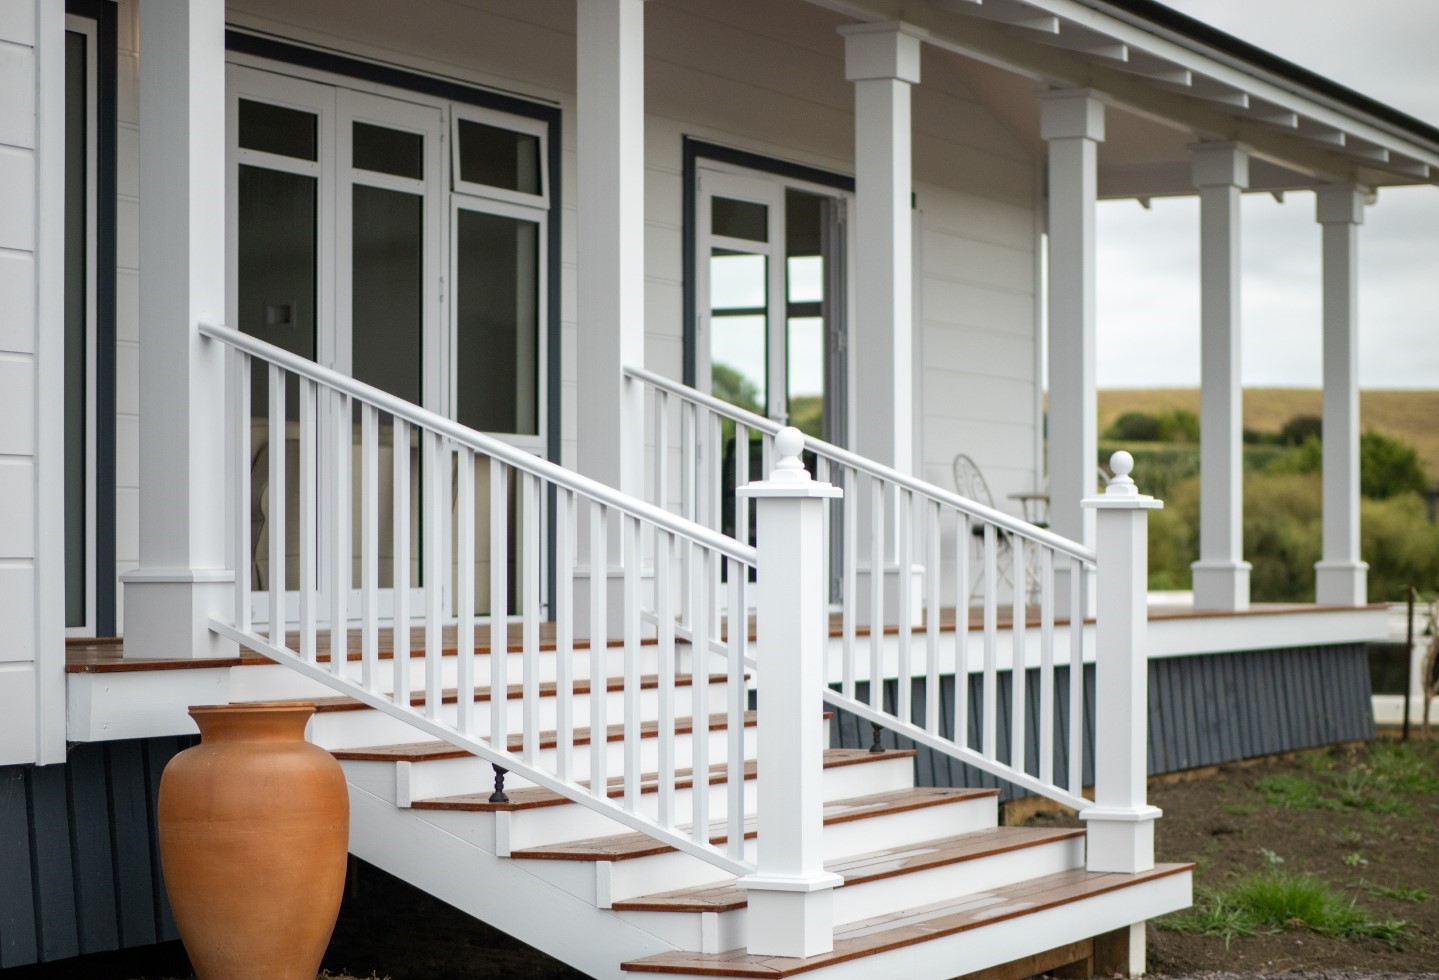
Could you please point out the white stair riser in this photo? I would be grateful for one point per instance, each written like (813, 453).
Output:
(674, 869)
(886, 895)
(357, 728)
(556, 824)
(468, 774)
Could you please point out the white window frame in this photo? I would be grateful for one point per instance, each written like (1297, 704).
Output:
(90, 30)
(535, 443)
(500, 120)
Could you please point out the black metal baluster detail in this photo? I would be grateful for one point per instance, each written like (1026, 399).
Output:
(876, 747)
(498, 796)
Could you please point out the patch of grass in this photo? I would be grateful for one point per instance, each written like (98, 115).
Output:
(1294, 792)
(1355, 860)
(1238, 809)
(1398, 892)
(1277, 900)
(1349, 835)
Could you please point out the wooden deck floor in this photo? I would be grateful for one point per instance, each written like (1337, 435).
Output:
(108, 654)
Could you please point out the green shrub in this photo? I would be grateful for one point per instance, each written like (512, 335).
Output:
(1400, 545)
(1300, 429)
(1388, 467)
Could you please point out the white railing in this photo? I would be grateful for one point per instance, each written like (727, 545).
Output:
(937, 551)
(337, 584)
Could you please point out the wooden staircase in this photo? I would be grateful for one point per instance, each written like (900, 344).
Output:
(933, 887)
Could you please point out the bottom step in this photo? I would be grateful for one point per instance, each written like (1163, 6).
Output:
(927, 933)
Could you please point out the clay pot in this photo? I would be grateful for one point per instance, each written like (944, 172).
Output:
(254, 830)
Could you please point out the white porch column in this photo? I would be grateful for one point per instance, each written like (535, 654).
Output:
(182, 576)
(1341, 578)
(1221, 575)
(883, 62)
(1073, 124)
(610, 120)
(610, 332)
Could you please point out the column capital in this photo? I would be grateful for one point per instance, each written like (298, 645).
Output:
(1340, 204)
(1220, 165)
(1072, 113)
(884, 49)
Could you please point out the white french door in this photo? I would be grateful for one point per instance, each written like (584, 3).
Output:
(336, 220)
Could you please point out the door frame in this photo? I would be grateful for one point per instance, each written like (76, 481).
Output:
(716, 158)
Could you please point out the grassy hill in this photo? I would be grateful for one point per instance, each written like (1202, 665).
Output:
(1409, 415)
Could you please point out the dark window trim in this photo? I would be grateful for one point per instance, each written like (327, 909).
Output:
(696, 150)
(106, 66)
(452, 91)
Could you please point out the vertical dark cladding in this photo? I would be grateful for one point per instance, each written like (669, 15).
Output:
(78, 859)
(1203, 710)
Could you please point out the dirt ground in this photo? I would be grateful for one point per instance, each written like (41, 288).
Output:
(1331, 813)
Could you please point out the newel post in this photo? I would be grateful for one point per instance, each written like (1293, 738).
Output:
(1121, 821)
(790, 894)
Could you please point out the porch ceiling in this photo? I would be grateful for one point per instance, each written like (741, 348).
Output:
(1171, 89)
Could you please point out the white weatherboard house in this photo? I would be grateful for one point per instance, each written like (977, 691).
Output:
(334, 332)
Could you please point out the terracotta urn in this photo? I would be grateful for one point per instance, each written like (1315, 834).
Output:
(254, 831)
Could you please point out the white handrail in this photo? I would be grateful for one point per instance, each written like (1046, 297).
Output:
(869, 467)
(511, 741)
(478, 441)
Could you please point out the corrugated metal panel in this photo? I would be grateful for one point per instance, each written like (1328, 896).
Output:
(78, 854)
(1203, 710)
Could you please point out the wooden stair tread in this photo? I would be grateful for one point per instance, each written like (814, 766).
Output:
(622, 847)
(426, 751)
(534, 797)
(861, 868)
(513, 692)
(884, 933)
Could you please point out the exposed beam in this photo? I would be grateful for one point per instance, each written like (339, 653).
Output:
(1011, 14)
(1086, 43)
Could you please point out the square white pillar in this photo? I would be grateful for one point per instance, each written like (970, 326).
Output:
(882, 60)
(182, 578)
(1072, 122)
(1221, 575)
(1341, 578)
(610, 260)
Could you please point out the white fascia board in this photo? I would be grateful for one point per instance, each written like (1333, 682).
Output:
(1232, 71)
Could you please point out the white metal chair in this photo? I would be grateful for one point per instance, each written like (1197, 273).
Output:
(969, 482)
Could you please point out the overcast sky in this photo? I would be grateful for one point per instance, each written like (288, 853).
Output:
(1149, 260)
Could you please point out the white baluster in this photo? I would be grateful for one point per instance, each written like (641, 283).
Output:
(307, 585)
(876, 594)
(436, 488)
(735, 699)
(931, 617)
(991, 645)
(630, 555)
(962, 538)
(699, 693)
(1076, 677)
(599, 650)
(499, 603)
(741, 477)
(662, 449)
(1121, 822)
(849, 592)
(465, 592)
(665, 612)
(790, 894)
(530, 516)
(244, 493)
(275, 521)
(1046, 664)
(565, 549)
(400, 574)
(339, 530)
(1019, 614)
(904, 504)
(369, 547)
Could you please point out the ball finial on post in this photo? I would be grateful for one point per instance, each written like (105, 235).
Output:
(1121, 464)
(789, 467)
